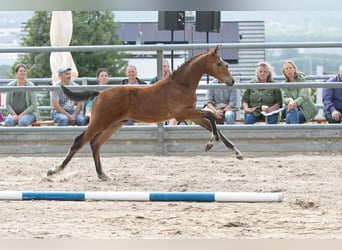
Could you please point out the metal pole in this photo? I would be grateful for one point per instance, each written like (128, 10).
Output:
(207, 43)
(160, 133)
(172, 51)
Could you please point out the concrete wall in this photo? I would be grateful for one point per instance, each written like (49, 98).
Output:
(252, 140)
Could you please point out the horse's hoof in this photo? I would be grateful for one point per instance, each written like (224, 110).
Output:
(51, 172)
(208, 147)
(239, 157)
(104, 177)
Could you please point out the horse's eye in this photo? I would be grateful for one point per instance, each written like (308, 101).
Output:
(219, 64)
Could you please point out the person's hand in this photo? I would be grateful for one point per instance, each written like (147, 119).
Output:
(250, 110)
(291, 105)
(219, 113)
(15, 118)
(336, 115)
(72, 119)
(228, 107)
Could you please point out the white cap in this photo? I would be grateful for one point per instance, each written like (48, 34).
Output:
(63, 69)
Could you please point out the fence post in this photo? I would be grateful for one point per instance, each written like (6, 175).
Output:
(161, 131)
(84, 81)
(160, 139)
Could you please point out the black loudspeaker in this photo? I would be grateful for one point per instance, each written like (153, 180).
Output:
(171, 20)
(208, 21)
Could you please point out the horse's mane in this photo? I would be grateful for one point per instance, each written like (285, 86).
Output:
(186, 63)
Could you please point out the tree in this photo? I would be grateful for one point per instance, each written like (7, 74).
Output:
(89, 28)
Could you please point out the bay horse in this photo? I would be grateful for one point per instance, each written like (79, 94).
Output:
(171, 97)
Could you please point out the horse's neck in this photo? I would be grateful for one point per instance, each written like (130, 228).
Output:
(190, 76)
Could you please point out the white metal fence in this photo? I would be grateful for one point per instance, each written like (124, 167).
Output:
(162, 140)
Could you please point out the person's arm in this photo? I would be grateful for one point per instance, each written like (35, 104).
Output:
(209, 96)
(232, 100)
(9, 101)
(55, 104)
(58, 108)
(327, 94)
(78, 108)
(245, 102)
(32, 96)
(278, 101)
(304, 94)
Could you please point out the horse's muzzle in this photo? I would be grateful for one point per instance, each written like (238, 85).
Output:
(230, 82)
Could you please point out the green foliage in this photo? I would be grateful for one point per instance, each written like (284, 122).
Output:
(38, 34)
(89, 28)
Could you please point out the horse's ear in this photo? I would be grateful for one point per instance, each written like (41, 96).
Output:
(217, 48)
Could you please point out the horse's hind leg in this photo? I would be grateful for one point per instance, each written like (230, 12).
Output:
(95, 145)
(78, 143)
(230, 145)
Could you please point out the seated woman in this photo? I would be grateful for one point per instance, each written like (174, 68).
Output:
(102, 79)
(299, 105)
(254, 101)
(21, 106)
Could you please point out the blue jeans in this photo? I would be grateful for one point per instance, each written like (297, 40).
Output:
(229, 117)
(63, 120)
(251, 119)
(24, 121)
(294, 117)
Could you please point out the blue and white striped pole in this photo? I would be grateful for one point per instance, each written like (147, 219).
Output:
(142, 196)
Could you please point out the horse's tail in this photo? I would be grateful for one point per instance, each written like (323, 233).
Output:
(78, 95)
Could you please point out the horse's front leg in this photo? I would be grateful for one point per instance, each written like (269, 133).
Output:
(230, 145)
(211, 117)
(204, 118)
(205, 123)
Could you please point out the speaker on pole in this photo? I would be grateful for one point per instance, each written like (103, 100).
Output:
(171, 20)
(208, 21)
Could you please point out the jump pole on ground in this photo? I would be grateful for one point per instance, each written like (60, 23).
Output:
(143, 196)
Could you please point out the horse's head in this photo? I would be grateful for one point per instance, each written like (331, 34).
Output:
(218, 68)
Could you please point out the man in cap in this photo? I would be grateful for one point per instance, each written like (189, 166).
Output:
(65, 112)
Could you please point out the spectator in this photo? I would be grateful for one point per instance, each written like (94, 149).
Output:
(223, 103)
(254, 101)
(332, 100)
(132, 76)
(166, 71)
(21, 106)
(132, 79)
(64, 111)
(299, 105)
(102, 79)
(1, 117)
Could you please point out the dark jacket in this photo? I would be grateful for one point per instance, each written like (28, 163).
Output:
(125, 82)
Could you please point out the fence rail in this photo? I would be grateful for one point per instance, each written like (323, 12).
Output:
(163, 47)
